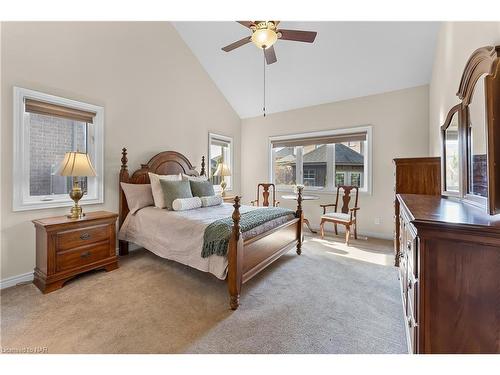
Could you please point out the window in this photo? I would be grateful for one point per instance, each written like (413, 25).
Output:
(339, 178)
(321, 161)
(356, 179)
(220, 151)
(309, 177)
(45, 128)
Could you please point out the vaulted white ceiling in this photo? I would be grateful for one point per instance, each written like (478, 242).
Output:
(347, 60)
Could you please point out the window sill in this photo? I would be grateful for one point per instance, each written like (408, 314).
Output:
(319, 192)
(40, 205)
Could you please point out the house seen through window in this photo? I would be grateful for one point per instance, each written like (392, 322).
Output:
(321, 162)
(50, 138)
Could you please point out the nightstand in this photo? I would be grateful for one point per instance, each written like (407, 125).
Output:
(229, 198)
(68, 247)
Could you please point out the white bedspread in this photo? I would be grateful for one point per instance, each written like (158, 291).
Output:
(178, 235)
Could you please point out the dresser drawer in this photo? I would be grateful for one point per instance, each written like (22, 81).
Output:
(80, 237)
(81, 256)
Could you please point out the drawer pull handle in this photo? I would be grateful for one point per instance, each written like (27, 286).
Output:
(408, 245)
(85, 236)
(85, 254)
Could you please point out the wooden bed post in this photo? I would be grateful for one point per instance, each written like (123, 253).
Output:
(202, 172)
(235, 258)
(124, 177)
(300, 215)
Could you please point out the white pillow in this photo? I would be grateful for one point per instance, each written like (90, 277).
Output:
(213, 200)
(156, 187)
(183, 204)
(138, 196)
(194, 178)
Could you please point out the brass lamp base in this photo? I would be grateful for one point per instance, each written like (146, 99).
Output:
(223, 185)
(76, 194)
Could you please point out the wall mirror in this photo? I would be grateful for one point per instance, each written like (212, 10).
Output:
(451, 155)
(470, 148)
(477, 159)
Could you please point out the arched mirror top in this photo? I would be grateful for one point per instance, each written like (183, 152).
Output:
(451, 117)
(483, 61)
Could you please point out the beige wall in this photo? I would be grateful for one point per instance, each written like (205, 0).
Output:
(155, 93)
(400, 129)
(456, 42)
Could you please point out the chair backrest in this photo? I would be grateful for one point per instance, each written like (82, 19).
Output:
(346, 197)
(265, 194)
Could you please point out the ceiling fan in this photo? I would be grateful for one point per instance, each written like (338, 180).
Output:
(266, 33)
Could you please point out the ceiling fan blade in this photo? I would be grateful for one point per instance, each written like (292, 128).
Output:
(270, 55)
(298, 35)
(237, 44)
(246, 23)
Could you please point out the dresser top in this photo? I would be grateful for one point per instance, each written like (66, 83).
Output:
(447, 211)
(89, 216)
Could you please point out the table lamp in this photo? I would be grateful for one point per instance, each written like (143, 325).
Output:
(223, 171)
(76, 164)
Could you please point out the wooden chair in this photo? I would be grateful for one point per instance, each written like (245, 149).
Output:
(265, 195)
(346, 216)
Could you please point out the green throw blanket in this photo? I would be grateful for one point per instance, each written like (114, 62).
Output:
(217, 234)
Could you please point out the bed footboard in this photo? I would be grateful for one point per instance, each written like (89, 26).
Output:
(247, 258)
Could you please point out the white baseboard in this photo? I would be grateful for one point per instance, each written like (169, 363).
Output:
(14, 280)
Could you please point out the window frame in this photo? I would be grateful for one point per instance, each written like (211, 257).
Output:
(22, 200)
(328, 189)
(229, 140)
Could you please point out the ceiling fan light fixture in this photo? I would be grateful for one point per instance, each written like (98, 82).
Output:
(264, 38)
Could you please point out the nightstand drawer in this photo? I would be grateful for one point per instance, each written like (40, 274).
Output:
(81, 256)
(80, 237)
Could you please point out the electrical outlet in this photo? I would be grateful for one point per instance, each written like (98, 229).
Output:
(378, 221)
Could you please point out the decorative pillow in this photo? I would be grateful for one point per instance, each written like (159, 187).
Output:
(138, 196)
(173, 190)
(214, 200)
(182, 204)
(202, 188)
(156, 187)
(194, 178)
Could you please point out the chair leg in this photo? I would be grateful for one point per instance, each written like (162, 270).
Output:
(355, 230)
(322, 229)
(347, 234)
(336, 232)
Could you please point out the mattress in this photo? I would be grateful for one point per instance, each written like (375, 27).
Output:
(178, 235)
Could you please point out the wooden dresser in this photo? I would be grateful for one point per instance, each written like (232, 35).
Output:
(414, 176)
(67, 247)
(450, 275)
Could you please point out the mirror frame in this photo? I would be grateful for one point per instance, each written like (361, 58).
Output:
(485, 61)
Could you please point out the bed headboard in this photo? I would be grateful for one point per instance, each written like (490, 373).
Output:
(166, 162)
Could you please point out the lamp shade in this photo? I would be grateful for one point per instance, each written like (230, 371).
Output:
(76, 164)
(222, 170)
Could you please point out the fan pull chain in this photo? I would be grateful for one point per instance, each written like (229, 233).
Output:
(264, 107)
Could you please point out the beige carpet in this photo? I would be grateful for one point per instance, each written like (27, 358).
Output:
(320, 302)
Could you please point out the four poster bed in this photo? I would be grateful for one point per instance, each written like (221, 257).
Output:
(247, 254)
